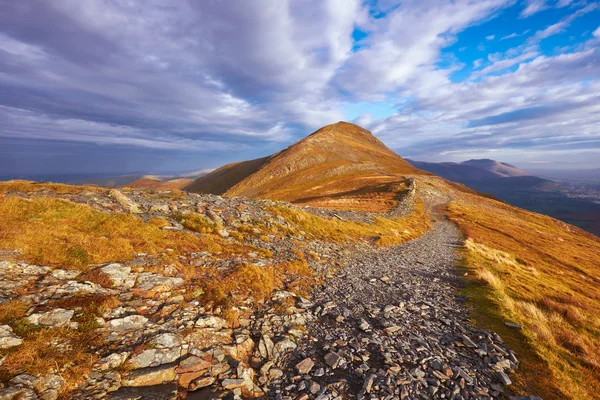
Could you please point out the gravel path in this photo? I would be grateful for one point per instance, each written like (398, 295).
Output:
(392, 325)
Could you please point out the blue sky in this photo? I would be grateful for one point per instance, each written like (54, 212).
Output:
(115, 87)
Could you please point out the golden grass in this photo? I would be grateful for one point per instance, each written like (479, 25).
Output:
(256, 282)
(60, 233)
(57, 188)
(544, 275)
(11, 310)
(197, 223)
(62, 350)
(382, 232)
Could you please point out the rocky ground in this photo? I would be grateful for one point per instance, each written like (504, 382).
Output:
(388, 325)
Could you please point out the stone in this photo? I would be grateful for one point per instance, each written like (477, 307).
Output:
(8, 339)
(265, 347)
(201, 383)
(120, 275)
(211, 322)
(364, 325)
(149, 284)
(392, 329)
(166, 341)
(128, 204)
(48, 382)
(156, 392)
(503, 378)
(65, 274)
(333, 359)
(127, 323)
(513, 325)
(55, 318)
(192, 364)
(17, 393)
(112, 361)
(304, 366)
(232, 383)
(283, 347)
(160, 208)
(150, 376)
(154, 357)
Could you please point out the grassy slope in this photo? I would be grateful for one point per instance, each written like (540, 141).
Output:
(544, 275)
(222, 179)
(340, 166)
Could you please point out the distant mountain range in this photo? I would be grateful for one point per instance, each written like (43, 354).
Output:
(577, 204)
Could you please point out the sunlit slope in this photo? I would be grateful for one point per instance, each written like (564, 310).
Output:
(222, 179)
(544, 275)
(340, 166)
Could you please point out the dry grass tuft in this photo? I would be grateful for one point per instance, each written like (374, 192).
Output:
(383, 231)
(57, 188)
(11, 310)
(197, 223)
(60, 350)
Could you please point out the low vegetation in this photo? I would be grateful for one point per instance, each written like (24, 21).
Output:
(544, 275)
(382, 231)
(249, 281)
(55, 232)
(57, 188)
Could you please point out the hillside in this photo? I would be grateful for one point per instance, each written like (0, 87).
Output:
(340, 166)
(500, 168)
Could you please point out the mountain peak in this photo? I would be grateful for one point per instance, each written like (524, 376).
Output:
(338, 160)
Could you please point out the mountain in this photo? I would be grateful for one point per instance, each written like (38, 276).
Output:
(339, 166)
(499, 168)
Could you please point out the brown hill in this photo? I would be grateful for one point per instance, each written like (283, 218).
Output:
(148, 183)
(341, 166)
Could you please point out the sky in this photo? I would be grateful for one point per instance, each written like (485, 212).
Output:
(112, 87)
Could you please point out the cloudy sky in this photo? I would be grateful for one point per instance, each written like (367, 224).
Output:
(155, 86)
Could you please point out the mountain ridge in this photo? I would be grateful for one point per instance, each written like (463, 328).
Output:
(337, 160)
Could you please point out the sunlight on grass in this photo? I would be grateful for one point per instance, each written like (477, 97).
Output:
(57, 233)
(543, 275)
(382, 232)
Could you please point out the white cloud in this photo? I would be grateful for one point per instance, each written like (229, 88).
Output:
(597, 32)
(564, 23)
(490, 37)
(533, 7)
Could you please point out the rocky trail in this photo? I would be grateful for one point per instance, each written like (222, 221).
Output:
(390, 324)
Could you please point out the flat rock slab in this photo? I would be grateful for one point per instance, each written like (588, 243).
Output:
(156, 392)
